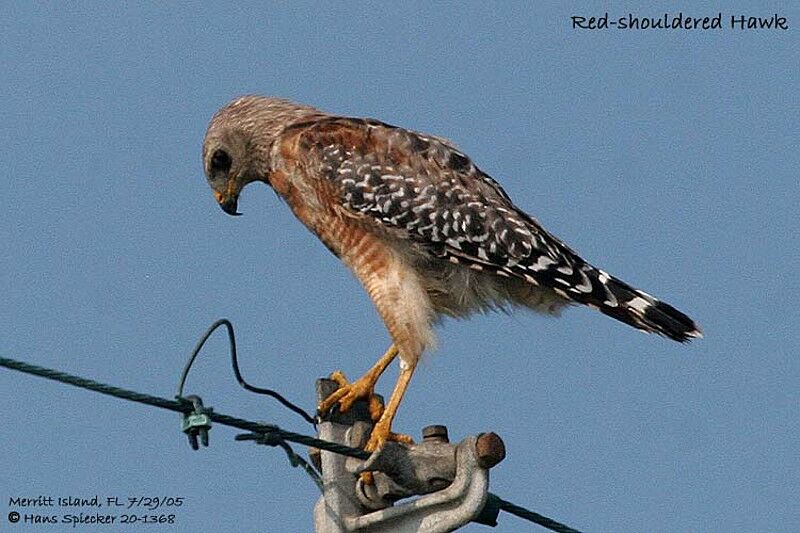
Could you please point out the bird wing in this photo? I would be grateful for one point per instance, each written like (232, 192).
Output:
(429, 192)
(427, 189)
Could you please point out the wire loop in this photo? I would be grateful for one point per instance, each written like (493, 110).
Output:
(235, 364)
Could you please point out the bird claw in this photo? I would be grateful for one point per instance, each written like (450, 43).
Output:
(377, 438)
(348, 393)
(380, 435)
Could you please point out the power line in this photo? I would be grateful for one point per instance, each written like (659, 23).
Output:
(185, 407)
(527, 514)
(180, 406)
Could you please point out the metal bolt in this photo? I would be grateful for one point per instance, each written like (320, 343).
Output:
(435, 434)
(490, 449)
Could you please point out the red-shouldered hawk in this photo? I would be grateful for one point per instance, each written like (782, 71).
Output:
(424, 229)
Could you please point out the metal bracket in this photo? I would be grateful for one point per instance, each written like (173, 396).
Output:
(449, 483)
(197, 423)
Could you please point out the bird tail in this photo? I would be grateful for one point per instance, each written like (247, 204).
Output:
(636, 308)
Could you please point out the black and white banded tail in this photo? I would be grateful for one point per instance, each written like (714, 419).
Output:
(619, 300)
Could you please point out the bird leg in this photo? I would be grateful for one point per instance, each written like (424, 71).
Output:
(383, 427)
(363, 387)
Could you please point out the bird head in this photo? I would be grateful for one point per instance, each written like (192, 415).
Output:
(237, 146)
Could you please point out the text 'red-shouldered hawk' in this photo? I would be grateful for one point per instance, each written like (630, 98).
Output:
(421, 226)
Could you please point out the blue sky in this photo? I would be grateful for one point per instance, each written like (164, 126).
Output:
(668, 158)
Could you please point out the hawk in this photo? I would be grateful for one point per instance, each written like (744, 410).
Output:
(426, 232)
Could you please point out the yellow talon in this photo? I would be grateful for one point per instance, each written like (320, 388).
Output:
(379, 436)
(364, 387)
(349, 393)
(376, 440)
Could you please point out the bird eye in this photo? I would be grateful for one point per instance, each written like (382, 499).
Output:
(220, 161)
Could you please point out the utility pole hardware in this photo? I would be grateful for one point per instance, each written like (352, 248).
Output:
(449, 483)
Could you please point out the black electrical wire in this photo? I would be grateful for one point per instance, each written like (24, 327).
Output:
(184, 406)
(235, 363)
(268, 434)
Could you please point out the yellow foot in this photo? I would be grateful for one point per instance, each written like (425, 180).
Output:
(348, 393)
(376, 440)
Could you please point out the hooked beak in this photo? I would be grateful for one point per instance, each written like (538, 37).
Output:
(228, 204)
